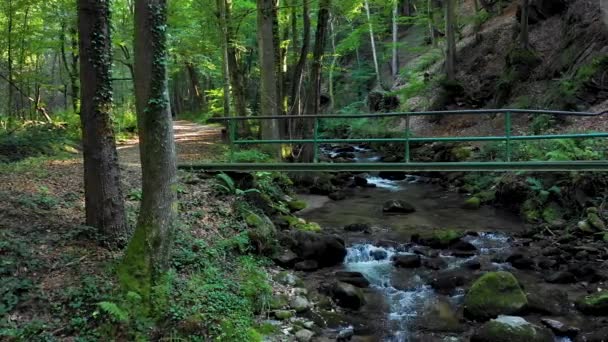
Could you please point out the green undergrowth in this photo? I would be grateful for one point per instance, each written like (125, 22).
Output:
(35, 140)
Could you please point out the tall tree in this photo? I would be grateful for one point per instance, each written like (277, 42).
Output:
(147, 256)
(223, 21)
(237, 78)
(314, 91)
(450, 28)
(372, 39)
(395, 59)
(296, 89)
(270, 101)
(523, 34)
(103, 195)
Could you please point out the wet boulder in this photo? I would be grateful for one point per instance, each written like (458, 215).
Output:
(398, 207)
(511, 329)
(354, 278)
(560, 328)
(326, 250)
(446, 282)
(493, 294)
(561, 277)
(358, 227)
(594, 304)
(407, 261)
(392, 175)
(346, 295)
(360, 181)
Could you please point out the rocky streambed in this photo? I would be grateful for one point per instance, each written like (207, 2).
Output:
(406, 260)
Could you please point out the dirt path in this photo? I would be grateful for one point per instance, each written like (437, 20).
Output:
(193, 141)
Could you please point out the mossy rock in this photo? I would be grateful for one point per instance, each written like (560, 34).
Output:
(442, 238)
(596, 221)
(493, 294)
(296, 205)
(472, 203)
(552, 212)
(511, 329)
(261, 233)
(461, 153)
(530, 211)
(309, 227)
(284, 314)
(585, 227)
(595, 304)
(278, 302)
(487, 196)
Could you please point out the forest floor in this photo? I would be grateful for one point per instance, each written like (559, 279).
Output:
(45, 247)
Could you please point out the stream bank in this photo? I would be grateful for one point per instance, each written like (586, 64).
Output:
(408, 274)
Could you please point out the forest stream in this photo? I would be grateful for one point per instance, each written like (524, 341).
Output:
(421, 300)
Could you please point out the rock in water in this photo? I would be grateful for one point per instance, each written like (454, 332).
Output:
(493, 294)
(304, 335)
(560, 328)
(354, 278)
(398, 207)
(595, 304)
(326, 250)
(511, 329)
(347, 296)
(407, 261)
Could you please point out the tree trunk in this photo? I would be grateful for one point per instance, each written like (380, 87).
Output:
(525, 9)
(430, 15)
(198, 99)
(296, 89)
(314, 92)
(450, 59)
(334, 61)
(373, 42)
(237, 79)
(103, 195)
(269, 103)
(221, 7)
(72, 67)
(395, 59)
(147, 256)
(9, 99)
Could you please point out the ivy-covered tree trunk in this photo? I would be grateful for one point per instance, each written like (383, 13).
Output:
(147, 255)
(103, 196)
(314, 90)
(450, 23)
(269, 102)
(237, 77)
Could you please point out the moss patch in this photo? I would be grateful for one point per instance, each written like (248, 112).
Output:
(296, 205)
(495, 293)
(595, 304)
(472, 203)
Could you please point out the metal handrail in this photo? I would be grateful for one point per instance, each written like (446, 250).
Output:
(407, 140)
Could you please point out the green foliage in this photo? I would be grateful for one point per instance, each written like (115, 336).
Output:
(226, 185)
(34, 141)
(249, 156)
(114, 311)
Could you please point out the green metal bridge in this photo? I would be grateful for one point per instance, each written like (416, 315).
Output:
(409, 165)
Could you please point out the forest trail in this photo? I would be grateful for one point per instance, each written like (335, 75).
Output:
(193, 142)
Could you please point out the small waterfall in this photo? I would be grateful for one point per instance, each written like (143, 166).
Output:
(376, 265)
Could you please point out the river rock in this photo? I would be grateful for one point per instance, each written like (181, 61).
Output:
(286, 258)
(392, 175)
(358, 227)
(594, 304)
(446, 282)
(304, 335)
(347, 295)
(354, 278)
(521, 261)
(407, 261)
(398, 207)
(493, 294)
(360, 181)
(598, 335)
(283, 314)
(560, 328)
(561, 277)
(546, 301)
(337, 196)
(307, 266)
(511, 329)
(435, 263)
(473, 264)
(326, 250)
(378, 254)
(299, 304)
(345, 334)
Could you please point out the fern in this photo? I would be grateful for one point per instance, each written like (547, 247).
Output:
(114, 311)
(226, 185)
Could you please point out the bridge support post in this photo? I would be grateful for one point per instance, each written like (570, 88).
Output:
(316, 139)
(232, 138)
(407, 139)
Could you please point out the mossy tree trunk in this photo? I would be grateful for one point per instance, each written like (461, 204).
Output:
(297, 79)
(147, 255)
(103, 196)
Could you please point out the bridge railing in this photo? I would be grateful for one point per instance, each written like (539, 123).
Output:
(407, 139)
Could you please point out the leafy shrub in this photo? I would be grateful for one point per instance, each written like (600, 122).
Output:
(33, 141)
